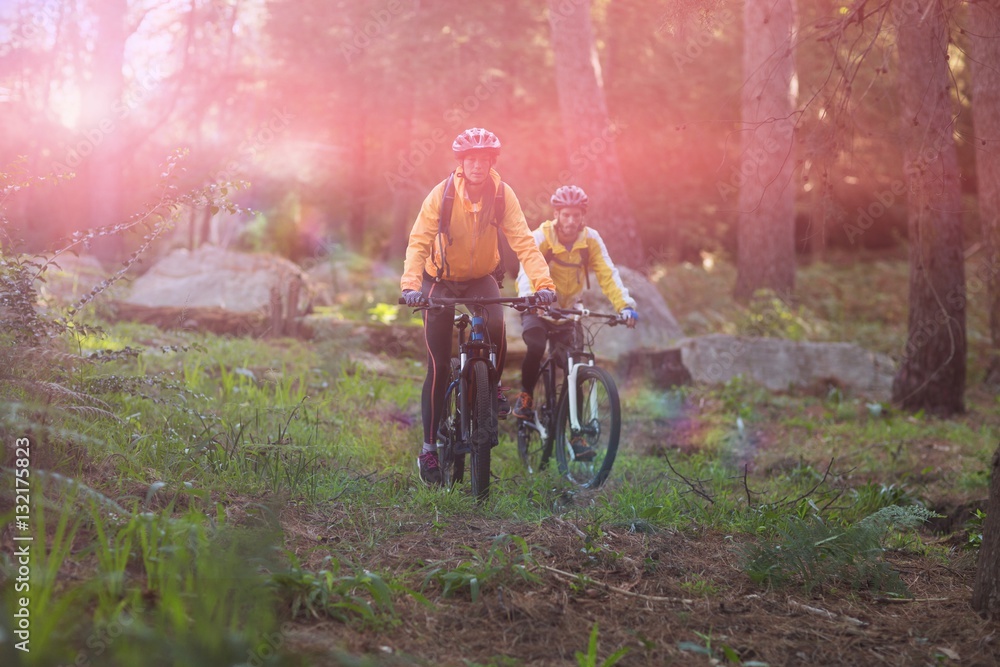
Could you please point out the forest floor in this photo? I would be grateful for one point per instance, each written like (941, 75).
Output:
(297, 457)
(678, 596)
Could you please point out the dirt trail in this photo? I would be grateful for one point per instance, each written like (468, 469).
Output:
(664, 595)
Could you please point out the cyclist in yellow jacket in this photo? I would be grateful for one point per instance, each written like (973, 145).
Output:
(572, 251)
(459, 261)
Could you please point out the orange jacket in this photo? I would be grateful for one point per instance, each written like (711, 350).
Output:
(473, 251)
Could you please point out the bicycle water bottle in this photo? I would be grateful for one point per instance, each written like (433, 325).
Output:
(477, 328)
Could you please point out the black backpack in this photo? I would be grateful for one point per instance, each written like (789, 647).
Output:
(507, 255)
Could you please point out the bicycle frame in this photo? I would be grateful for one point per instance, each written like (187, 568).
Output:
(576, 356)
(470, 424)
(475, 349)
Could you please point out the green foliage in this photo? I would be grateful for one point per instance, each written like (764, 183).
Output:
(507, 561)
(769, 316)
(357, 595)
(590, 658)
(975, 528)
(384, 312)
(814, 552)
(716, 651)
(182, 587)
(699, 586)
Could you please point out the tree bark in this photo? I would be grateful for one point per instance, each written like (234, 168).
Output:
(984, 49)
(100, 121)
(766, 231)
(590, 134)
(931, 375)
(986, 589)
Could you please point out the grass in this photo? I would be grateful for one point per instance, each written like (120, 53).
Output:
(197, 520)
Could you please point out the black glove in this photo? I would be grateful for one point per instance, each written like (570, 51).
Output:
(413, 298)
(544, 297)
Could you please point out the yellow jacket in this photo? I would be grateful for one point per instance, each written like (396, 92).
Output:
(568, 271)
(473, 251)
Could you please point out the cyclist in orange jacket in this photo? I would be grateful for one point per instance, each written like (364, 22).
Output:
(459, 261)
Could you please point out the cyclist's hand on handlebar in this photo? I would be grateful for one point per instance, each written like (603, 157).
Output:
(630, 317)
(413, 298)
(544, 297)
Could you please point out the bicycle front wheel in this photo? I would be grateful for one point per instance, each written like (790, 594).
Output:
(586, 454)
(534, 438)
(483, 428)
(450, 431)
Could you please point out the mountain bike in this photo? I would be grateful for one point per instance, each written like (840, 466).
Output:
(581, 413)
(470, 424)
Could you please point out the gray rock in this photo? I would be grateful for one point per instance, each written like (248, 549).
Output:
(211, 277)
(780, 365)
(657, 328)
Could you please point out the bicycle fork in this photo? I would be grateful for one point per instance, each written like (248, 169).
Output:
(574, 409)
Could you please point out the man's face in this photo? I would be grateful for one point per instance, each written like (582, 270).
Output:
(569, 222)
(477, 167)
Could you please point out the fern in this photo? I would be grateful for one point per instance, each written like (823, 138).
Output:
(814, 553)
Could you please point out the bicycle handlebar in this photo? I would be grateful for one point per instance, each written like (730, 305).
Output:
(613, 318)
(517, 302)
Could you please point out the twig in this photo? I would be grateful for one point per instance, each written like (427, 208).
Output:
(614, 589)
(696, 487)
(906, 600)
(563, 522)
(826, 473)
(746, 487)
(826, 614)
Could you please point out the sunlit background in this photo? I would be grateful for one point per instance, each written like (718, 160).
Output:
(341, 116)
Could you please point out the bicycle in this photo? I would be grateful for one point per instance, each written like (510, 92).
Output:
(470, 424)
(589, 415)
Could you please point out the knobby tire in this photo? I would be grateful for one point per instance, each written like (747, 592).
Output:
(600, 427)
(452, 463)
(483, 428)
(534, 450)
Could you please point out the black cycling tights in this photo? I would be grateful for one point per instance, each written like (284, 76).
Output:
(534, 339)
(439, 328)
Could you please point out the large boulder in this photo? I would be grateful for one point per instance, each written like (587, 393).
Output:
(782, 365)
(220, 290)
(657, 328)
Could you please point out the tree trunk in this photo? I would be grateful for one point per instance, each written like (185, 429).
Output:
(984, 48)
(405, 194)
(358, 152)
(766, 232)
(101, 123)
(590, 134)
(986, 589)
(931, 375)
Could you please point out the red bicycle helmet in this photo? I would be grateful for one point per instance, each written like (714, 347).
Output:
(474, 140)
(570, 195)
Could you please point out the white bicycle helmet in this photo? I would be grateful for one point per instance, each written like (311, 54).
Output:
(474, 140)
(570, 195)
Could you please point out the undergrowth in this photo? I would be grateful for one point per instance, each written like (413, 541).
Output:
(193, 494)
(815, 552)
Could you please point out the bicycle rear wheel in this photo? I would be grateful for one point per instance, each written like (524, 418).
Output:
(533, 447)
(483, 428)
(450, 432)
(599, 412)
